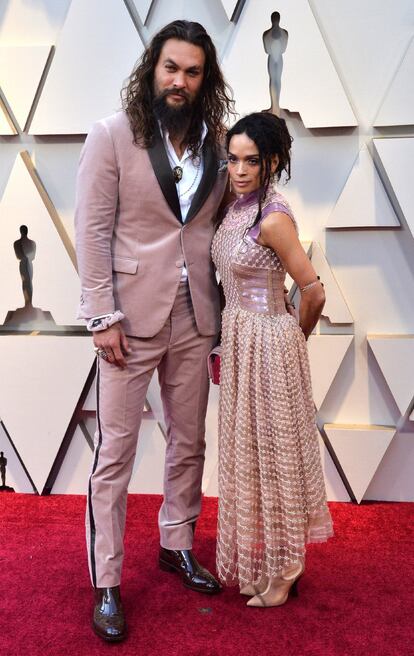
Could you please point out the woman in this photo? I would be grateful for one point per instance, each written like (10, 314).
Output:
(272, 498)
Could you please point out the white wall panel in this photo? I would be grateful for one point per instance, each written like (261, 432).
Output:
(363, 202)
(398, 105)
(359, 450)
(76, 467)
(42, 379)
(394, 480)
(367, 41)
(21, 69)
(6, 125)
(143, 7)
(335, 489)
(395, 356)
(89, 67)
(34, 23)
(397, 156)
(16, 476)
(326, 353)
(335, 307)
(229, 7)
(318, 97)
(55, 281)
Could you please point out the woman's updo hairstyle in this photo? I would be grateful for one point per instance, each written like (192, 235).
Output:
(271, 136)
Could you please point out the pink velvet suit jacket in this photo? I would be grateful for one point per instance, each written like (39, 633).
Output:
(131, 243)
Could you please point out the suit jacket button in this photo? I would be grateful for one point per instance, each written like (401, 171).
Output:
(179, 264)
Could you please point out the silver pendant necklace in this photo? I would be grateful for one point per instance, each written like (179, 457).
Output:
(178, 174)
(183, 193)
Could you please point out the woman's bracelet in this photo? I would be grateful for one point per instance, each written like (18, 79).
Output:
(310, 284)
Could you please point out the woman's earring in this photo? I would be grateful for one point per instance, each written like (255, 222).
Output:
(230, 187)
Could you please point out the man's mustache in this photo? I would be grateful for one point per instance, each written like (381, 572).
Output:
(174, 92)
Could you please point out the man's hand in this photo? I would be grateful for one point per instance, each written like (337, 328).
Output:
(115, 344)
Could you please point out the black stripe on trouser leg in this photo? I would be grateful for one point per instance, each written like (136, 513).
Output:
(95, 464)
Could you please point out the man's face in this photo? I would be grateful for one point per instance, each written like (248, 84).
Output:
(178, 75)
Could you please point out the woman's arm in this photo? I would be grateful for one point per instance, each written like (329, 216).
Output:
(278, 232)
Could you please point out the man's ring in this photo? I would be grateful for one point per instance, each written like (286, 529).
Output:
(101, 353)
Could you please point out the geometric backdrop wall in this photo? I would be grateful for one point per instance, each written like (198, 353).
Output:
(349, 104)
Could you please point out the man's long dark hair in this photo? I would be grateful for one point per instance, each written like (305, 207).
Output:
(213, 104)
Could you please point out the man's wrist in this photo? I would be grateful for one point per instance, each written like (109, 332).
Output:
(104, 321)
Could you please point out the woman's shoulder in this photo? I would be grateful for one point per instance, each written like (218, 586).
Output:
(275, 202)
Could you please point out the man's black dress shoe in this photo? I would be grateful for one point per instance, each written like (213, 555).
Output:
(192, 574)
(108, 615)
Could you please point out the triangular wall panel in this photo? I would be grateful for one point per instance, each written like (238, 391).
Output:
(229, 7)
(21, 69)
(397, 156)
(326, 353)
(335, 489)
(363, 202)
(89, 67)
(335, 307)
(75, 469)
(359, 450)
(41, 382)
(16, 477)
(393, 480)
(6, 125)
(90, 401)
(398, 105)
(245, 59)
(395, 356)
(143, 8)
(56, 287)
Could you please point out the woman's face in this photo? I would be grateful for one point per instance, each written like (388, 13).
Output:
(243, 164)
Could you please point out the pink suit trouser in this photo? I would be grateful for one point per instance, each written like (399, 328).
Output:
(179, 353)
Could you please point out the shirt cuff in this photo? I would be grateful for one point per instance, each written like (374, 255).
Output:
(104, 321)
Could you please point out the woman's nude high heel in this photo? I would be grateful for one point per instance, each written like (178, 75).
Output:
(279, 589)
(252, 589)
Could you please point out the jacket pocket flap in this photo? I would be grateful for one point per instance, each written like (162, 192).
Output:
(124, 265)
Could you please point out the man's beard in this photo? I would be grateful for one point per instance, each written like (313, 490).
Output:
(174, 120)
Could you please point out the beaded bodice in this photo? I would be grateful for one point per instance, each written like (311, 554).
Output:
(252, 275)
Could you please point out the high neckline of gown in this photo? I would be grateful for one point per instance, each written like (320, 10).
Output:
(244, 200)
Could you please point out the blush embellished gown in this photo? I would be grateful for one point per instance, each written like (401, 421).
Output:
(272, 498)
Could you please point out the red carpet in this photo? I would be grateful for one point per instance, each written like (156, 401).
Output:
(356, 597)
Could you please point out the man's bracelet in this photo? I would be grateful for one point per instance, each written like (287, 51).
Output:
(105, 321)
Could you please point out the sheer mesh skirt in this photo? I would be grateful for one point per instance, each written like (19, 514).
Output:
(272, 499)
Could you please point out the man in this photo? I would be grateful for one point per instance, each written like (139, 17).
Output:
(149, 186)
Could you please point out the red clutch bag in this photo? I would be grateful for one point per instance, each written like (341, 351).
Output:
(213, 365)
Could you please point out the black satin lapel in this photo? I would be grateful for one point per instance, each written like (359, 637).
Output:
(164, 174)
(206, 183)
